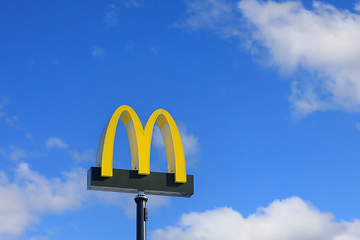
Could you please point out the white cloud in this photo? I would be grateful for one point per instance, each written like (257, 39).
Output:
(218, 15)
(357, 6)
(323, 41)
(189, 141)
(12, 121)
(131, 3)
(31, 194)
(111, 17)
(15, 153)
(358, 126)
(290, 218)
(29, 136)
(55, 142)
(86, 156)
(98, 51)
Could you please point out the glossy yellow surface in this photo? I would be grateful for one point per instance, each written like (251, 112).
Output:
(140, 142)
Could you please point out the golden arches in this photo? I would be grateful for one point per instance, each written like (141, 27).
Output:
(140, 142)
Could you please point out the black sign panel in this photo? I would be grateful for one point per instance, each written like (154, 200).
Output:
(156, 183)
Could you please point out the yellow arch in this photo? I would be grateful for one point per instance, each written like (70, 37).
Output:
(140, 142)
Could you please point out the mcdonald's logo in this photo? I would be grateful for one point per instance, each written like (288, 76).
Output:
(174, 183)
(140, 142)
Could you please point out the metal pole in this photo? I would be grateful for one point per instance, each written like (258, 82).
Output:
(141, 216)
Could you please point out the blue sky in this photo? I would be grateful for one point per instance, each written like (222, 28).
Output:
(266, 95)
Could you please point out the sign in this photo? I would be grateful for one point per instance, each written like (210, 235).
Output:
(174, 183)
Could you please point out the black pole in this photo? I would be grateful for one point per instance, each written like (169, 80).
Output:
(141, 216)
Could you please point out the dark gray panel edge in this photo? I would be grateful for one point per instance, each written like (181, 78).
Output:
(128, 181)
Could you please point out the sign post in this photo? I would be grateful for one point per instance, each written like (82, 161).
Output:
(140, 180)
(141, 216)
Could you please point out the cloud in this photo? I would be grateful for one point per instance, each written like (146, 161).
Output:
(323, 44)
(189, 141)
(131, 3)
(15, 153)
(55, 142)
(291, 218)
(31, 194)
(86, 156)
(324, 41)
(218, 15)
(29, 136)
(357, 6)
(12, 121)
(110, 18)
(98, 51)
(358, 126)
